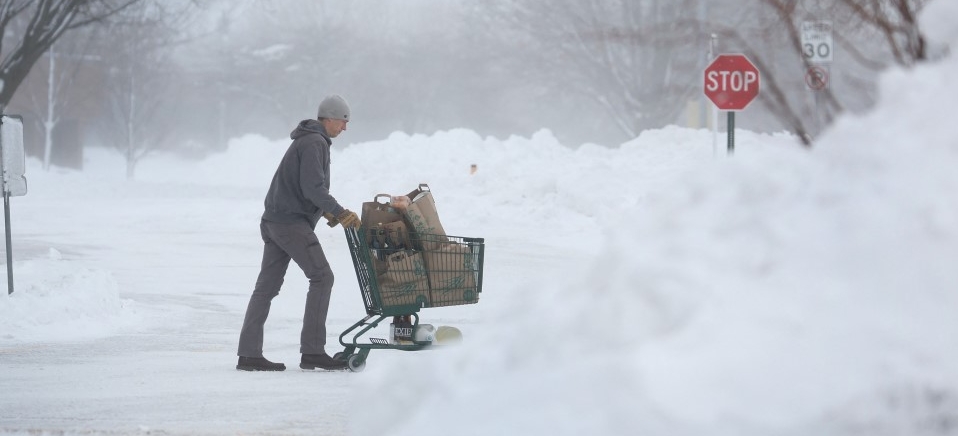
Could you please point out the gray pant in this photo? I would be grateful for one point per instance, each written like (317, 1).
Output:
(282, 243)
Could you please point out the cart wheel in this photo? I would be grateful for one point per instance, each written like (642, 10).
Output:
(356, 363)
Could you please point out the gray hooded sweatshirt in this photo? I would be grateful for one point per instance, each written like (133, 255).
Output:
(300, 187)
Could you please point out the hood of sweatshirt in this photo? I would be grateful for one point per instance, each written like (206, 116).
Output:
(307, 127)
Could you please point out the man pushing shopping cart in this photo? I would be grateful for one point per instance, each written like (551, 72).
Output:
(400, 268)
(405, 262)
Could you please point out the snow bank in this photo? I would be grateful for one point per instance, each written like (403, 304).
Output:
(59, 300)
(779, 292)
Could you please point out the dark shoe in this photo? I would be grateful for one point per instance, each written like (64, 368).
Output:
(258, 364)
(313, 361)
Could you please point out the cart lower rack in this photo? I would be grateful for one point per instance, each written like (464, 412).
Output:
(400, 273)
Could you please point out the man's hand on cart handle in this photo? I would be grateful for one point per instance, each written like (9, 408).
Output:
(348, 219)
(331, 220)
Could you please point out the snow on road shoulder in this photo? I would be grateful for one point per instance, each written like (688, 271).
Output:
(56, 300)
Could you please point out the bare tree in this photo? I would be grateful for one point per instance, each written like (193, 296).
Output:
(262, 65)
(865, 23)
(271, 64)
(897, 22)
(630, 58)
(47, 21)
(65, 61)
(48, 104)
(141, 75)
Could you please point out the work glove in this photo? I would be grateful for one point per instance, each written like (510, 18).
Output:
(348, 219)
(331, 220)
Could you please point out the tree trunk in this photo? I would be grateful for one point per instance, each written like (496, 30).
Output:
(50, 122)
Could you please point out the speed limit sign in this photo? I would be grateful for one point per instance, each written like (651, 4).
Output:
(817, 41)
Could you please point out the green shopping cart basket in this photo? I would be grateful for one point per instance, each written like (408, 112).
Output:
(400, 273)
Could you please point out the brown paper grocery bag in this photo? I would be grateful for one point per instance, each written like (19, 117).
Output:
(415, 192)
(404, 281)
(452, 275)
(423, 219)
(374, 216)
(375, 213)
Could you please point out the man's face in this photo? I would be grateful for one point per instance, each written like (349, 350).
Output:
(334, 127)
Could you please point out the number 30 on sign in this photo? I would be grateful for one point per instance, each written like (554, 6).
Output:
(817, 41)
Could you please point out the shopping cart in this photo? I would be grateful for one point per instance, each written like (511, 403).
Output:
(400, 273)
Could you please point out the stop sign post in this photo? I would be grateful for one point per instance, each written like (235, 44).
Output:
(731, 82)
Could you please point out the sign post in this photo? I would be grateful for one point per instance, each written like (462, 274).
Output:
(731, 82)
(12, 165)
(817, 53)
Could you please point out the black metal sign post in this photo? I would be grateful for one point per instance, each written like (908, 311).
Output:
(6, 220)
(731, 132)
(6, 213)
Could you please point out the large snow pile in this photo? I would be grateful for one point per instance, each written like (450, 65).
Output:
(779, 292)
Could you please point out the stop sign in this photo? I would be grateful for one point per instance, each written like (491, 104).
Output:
(731, 82)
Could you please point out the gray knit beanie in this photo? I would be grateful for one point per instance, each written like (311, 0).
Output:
(334, 107)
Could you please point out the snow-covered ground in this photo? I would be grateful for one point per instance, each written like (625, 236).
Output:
(659, 288)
